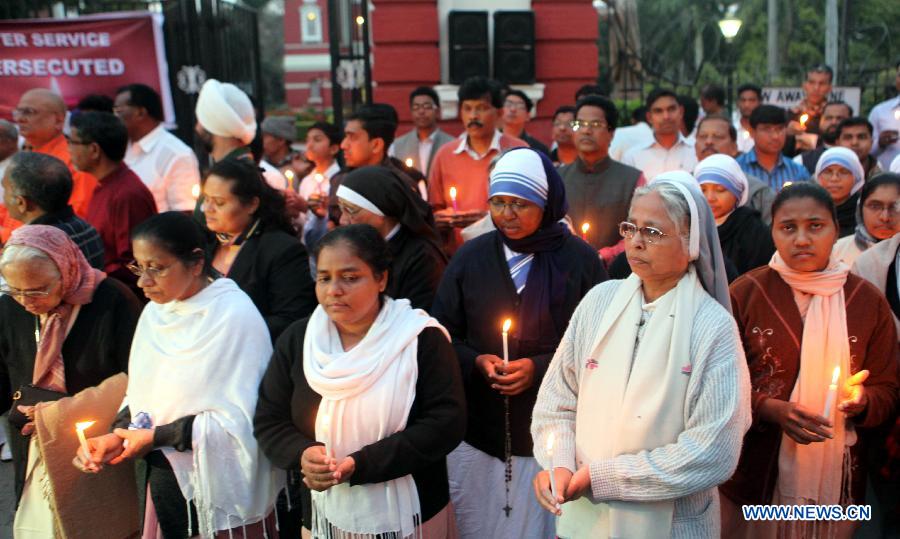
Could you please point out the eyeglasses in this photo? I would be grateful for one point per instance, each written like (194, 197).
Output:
(153, 273)
(25, 112)
(423, 106)
(584, 124)
(878, 207)
(70, 140)
(15, 292)
(840, 173)
(650, 234)
(516, 206)
(514, 105)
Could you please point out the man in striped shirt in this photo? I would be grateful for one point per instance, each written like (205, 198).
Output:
(768, 127)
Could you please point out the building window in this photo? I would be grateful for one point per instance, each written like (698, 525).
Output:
(310, 24)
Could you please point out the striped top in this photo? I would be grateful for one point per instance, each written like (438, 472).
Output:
(717, 414)
(519, 266)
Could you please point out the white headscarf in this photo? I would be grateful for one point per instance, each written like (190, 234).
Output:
(846, 158)
(224, 110)
(723, 170)
(205, 356)
(367, 393)
(704, 248)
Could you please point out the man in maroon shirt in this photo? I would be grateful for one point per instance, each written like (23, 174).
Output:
(97, 144)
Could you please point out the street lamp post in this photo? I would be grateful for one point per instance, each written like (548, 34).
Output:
(730, 26)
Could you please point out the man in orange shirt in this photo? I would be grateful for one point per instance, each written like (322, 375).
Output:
(40, 116)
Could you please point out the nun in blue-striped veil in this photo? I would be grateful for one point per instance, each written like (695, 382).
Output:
(533, 271)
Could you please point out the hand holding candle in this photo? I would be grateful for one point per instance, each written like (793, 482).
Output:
(506, 325)
(79, 429)
(832, 393)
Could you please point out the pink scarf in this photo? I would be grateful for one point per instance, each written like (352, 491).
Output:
(807, 474)
(79, 280)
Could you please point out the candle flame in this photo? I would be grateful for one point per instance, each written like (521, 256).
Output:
(897, 114)
(506, 325)
(409, 162)
(787, 184)
(803, 119)
(195, 191)
(319, 178)
(453, 193)
(289, 174)
(84, 425)
(835, 375)
(550, 440)
(585, 227)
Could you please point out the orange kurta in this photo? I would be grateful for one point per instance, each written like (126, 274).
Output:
(83, 184)
(7, 224)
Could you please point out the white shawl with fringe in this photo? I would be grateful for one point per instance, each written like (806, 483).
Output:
(205, 356)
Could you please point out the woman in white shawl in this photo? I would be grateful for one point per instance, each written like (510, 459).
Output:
(642, 411)
(198, 355)
(365, 398)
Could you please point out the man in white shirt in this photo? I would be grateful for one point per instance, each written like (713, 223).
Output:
(749, 96)
(668, 150)
(166, 165)
(625, 138)
(885, 119)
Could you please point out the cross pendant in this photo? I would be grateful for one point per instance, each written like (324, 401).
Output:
(507, 510)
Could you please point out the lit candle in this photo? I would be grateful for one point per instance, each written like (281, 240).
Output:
(453, 198)
(584, 230)
(319, 179)
(552, 477)
(289, 174)
(80, 428)
(803, 119)
(787, 184)
(832, 393)
(506, 325)
(195, 191)
(409, 162)
(897, 114)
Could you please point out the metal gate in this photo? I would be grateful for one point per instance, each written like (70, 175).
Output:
(204, 39)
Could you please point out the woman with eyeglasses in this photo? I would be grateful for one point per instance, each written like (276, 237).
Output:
(745, 239)
(643, 409)
(808, 326)
(841, 174)
(257, 247)
(376, 196)
(533, 271)
(65, 327)
(199, 353)
(876, 217)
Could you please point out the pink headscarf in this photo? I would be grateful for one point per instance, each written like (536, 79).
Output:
(79, 280)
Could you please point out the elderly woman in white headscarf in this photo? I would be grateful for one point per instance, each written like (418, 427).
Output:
(745, 239)
(841, 174)
(647, 398)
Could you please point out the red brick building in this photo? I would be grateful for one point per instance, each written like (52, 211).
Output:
(410, 48)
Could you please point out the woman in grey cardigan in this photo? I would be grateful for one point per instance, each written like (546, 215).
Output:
(644, 406)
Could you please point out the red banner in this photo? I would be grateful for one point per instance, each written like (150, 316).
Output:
(75, 57)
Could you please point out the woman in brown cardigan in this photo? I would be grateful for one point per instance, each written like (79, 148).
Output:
(801, 318)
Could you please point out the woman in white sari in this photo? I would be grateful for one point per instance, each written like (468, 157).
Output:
(647, 398)
(198, 355)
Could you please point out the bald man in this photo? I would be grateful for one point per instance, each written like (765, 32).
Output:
(40, 116)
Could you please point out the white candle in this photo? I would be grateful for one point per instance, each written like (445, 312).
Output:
(326, 421)
(832, 393)
(552, 477)
(79, 429)
(319, 179)
(195, 191)
(453, 198)
(506, 325)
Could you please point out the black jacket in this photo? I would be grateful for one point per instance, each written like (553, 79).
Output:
(416, 269)
(475, 296)
(745, 240)
(272, 268)
(284, 423)
(96, 348)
